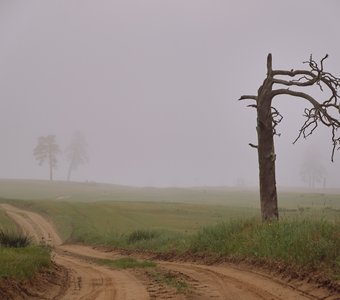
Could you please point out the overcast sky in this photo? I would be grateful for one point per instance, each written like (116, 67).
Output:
(153, 86)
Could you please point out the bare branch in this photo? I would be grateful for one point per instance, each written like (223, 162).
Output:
(308, 78)
(297, 82)
(321, 112)
(276, 119)
(253, 146)
(296, 94)
(293, 73)
(322, 62)
(310, 124)
(314, 65)
(326, 112)
(248, 97)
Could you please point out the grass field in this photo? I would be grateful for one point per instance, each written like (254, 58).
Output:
(218, 221)
(23, 263)
(107, 222)
(94, 192)
(101, 213)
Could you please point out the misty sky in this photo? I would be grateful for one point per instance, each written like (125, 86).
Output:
(153, 86)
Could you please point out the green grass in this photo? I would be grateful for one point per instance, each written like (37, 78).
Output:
(126, 263)
(23, 263)
(163, 241)
(19, 260)
(150, 225)
(112, 222)
(185, 220)
(13, 239)
(307, 243)
(142, 235)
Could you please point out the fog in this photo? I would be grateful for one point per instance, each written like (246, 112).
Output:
(153, 86)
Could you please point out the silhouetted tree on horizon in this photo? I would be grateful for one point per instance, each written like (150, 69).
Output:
(76, 153)
(312, 171)
(47, 150)
(326, 112)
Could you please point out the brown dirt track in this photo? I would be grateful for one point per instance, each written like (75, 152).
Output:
(79, 278)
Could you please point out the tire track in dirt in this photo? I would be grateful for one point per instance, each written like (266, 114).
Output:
(90, 281)
(33, 225)
(219, 282)
(86, 281)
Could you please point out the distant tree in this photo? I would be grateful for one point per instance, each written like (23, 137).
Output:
(76, 153)
(47, 150)
(312, 172)
(325, 112)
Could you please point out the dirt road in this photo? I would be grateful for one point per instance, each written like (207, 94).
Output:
(87, 280)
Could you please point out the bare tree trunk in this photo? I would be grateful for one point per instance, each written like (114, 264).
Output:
(266, 156)
(266, 151)
(51, 171)
(69, 171)
(50, 164)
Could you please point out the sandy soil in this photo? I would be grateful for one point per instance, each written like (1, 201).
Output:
(86, 280)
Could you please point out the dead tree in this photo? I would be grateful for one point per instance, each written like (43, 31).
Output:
(325, 112)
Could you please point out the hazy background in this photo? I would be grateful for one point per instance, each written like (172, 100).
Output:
(153, 86)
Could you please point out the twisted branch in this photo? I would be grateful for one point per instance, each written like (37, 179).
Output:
(326, 112)
(276, 119)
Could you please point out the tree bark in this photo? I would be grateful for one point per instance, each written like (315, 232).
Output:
(266, 150)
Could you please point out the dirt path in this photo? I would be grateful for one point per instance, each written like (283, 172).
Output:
(90, 281)
(86, 281)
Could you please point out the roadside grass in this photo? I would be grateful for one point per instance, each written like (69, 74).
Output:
(126, 263)
(13, 239)
(142, 235)
(18, 258)
(309, 244)
(162, 241)
(23, 263)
